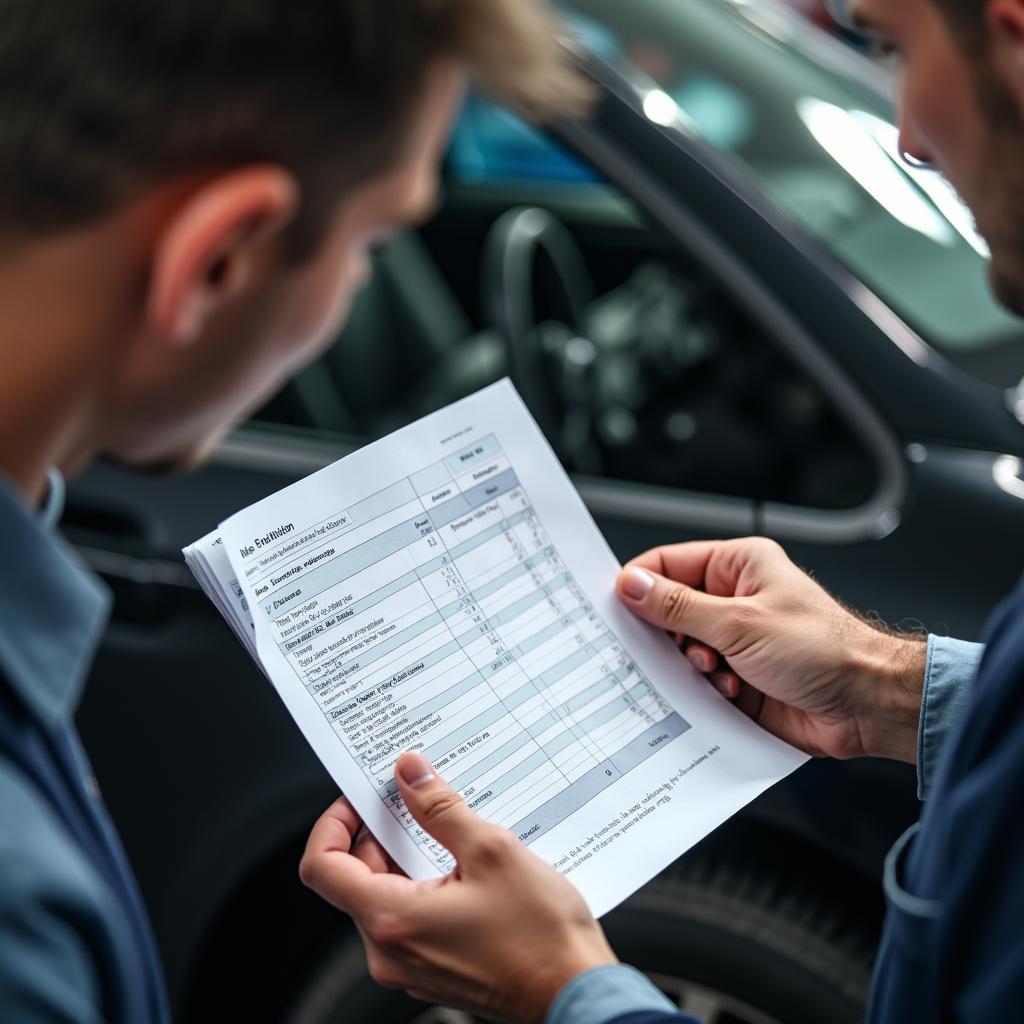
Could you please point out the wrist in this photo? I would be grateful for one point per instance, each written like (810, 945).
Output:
(547, 981)
(888, 682)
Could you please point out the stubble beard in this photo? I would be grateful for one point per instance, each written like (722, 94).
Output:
(1000, 192)
(179, 463)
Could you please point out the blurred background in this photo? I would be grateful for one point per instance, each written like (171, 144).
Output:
(734, 310)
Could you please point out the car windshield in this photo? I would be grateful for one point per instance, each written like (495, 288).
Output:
(810, 123)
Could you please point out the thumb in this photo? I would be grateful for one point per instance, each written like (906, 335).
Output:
(676, 607)
(435, 805)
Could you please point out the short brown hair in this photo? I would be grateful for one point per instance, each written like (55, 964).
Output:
(100, 98)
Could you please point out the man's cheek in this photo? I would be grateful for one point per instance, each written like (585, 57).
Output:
(346, 289)
(317, 334)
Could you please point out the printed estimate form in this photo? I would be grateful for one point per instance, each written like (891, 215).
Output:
(445, 590)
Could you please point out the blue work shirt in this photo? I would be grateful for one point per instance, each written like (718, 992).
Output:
(954, 883)
(75, 943)
(952, 948)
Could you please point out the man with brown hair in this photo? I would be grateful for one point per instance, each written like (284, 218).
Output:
(807, 669)
(188, 190)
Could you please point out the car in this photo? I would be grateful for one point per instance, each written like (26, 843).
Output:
(734, 310)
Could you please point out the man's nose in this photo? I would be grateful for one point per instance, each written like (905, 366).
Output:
(912, 150)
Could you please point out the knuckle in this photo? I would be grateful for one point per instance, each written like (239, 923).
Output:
(741, 618)
(308, 871)
(441, 805)
(495, 846)
(765, 547)
(391, 933)
(676, 605)
(388, 977)
(383, 972)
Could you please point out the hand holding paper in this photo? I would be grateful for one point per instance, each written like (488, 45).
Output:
(445, 591)
(454, 941)
(799, 663)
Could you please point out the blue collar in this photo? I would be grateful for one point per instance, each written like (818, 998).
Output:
(52, 610)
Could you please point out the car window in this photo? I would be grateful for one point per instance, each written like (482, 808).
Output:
(661, 379)
(808, 122)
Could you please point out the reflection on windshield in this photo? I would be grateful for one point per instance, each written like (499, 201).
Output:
(933, 185)
(853, 147)
(660, 108)
(809, 123)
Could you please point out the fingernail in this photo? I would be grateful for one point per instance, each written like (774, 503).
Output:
(700, 662)
(727, 688)
(637, 583)
(415, 770)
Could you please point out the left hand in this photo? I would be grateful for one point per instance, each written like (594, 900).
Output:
(498, 936)
(797, 661)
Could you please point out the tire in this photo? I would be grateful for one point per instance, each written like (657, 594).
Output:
(731, 939)
(737, 939)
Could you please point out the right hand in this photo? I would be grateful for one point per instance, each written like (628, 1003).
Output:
(792, 657)
(499, 936)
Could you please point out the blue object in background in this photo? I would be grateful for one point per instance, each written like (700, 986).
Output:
(491, 145)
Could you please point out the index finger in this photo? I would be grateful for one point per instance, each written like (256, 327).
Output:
(685, 563)
(717, 567)
(369, 850)
(335, 829)
(328, 866)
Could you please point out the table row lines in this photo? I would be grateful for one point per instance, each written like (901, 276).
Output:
(516, 690)
(378, 757)
(546, 679)
(340, 567)
(505, 802)
(412, 582)
(428, 679)
(386, 640)
(540, 734)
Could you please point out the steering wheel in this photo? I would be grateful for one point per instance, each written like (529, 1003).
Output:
(550, 361)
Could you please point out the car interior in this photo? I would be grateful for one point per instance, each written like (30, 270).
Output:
(638, 366)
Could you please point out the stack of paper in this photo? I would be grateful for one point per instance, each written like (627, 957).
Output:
(445, 590)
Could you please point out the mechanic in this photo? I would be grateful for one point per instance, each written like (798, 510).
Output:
(806, 668)
(188, 190)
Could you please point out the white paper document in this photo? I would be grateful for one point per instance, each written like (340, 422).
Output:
(445, 590)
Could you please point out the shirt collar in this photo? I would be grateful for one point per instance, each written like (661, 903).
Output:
(52, 610)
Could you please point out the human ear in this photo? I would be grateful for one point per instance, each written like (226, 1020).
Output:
(208, 248)
(1005, 22)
